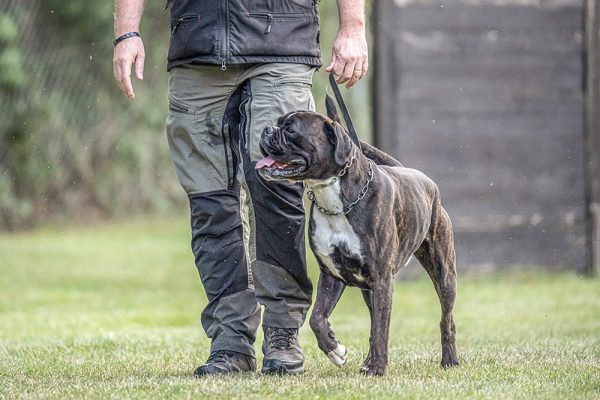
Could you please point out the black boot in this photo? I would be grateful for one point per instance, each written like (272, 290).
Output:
(283, 354)
(226, 362)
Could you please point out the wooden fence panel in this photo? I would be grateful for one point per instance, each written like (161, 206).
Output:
(486, 97)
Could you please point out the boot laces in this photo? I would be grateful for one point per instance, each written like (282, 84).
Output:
(282, 338)
(219, 356)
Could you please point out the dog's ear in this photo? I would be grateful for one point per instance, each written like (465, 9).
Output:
(341, 142)
(331, 108)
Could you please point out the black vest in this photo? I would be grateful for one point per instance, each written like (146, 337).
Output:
(226, 32)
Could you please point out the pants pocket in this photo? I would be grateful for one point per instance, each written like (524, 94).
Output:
(198, 150)
(294, 92)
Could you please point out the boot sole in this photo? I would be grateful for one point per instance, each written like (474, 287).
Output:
(282, 370)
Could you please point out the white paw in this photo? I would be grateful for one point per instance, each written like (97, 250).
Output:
(339, 355)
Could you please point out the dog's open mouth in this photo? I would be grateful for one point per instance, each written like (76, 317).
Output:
(277, 168)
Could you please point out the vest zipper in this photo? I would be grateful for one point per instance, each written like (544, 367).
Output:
(269, 17)
(226, 133)
(269, 20)
(180, 20)
(225, 50)
(246, 97)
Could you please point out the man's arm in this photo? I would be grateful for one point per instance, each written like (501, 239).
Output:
(128, 14)
(350, 57)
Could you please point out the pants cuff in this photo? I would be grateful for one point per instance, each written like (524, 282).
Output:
(238, 344)
(289, 320)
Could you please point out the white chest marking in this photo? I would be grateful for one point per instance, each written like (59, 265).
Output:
(332, 231)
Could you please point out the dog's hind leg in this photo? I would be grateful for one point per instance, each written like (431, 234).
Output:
(437, 256)
(329, 291)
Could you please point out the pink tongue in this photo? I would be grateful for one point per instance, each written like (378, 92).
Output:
(265, 162)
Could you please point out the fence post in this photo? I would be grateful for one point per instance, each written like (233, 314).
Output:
(385, 79)
(592, 134)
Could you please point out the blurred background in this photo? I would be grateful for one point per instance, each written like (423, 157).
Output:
(489, 97)
(71, 146)
(497, 100)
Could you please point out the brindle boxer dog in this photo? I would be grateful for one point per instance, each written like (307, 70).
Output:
(369, 216)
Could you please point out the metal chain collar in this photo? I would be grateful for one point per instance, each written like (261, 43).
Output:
(311, 194)
(345, 169)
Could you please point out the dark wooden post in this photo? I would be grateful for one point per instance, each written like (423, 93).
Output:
(386, 77)
(592, 133)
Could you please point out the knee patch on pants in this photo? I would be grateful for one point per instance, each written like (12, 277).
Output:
(218, 243)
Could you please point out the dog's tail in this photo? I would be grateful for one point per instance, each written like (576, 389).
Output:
(378, 156)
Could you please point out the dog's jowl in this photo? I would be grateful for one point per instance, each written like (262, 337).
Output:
(370, 215)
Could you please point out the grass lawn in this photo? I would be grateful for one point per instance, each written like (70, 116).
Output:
(113, 311)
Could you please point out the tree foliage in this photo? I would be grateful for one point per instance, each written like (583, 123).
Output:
(70, 144)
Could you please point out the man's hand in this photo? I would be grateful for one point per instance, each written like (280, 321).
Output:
(128, 53)
(350, 56)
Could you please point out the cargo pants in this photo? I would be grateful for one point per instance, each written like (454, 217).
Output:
(247, 233)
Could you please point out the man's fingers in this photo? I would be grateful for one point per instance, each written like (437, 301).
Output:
(355, 78)
(126, 79)
(338, 70)
(139, 66)
(347, 72)
(122, 87)
(337, 66)
(122, 71)
(333, 60)
(358, 73)
(365, 68)
(117, 71)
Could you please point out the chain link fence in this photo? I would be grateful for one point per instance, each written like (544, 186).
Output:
(71, 146)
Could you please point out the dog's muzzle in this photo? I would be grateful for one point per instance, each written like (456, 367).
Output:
(276, 163)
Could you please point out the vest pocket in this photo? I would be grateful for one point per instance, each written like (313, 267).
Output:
(270, 17)
(281, 6)
(275, 34)
(192, 35)
(176, 21)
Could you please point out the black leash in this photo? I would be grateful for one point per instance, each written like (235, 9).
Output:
(344, 110)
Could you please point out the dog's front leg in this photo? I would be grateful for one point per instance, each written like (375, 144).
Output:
(368, 297)
(381, 298)
(329, 290)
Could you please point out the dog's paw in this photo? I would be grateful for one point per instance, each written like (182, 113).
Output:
(372, 370)
(339, 355)
(449, 358)
(449, 363)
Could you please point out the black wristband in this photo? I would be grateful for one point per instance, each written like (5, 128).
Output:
(125, 36)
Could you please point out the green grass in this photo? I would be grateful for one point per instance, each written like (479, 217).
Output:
(113, 311)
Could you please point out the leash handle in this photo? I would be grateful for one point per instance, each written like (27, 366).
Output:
(344, 110)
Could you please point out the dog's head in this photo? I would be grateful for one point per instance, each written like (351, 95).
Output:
(304, 145)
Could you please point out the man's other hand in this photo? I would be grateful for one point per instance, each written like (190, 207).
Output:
(350, 56)
(128, 53)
